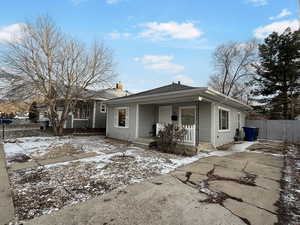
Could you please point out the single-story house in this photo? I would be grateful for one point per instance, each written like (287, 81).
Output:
(208, 116)
(90, 113)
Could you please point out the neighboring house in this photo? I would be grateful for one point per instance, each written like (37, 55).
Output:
(208, 116)
(91, 112)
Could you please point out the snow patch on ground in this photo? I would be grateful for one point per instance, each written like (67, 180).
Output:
(39, 146)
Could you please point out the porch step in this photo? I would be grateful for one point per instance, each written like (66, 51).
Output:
(88, 134)
(143, 142)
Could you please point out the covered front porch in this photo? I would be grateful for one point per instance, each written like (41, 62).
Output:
(192, 115)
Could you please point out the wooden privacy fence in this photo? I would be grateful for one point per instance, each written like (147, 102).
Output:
(285, 130)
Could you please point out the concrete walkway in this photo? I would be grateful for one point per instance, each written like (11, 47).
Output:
(231, 190)
(6, 203)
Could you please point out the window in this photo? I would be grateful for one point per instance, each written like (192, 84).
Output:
(223, 119)
(82, 110)
(121, 117)
(103, 108)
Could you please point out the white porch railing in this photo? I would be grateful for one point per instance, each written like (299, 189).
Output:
(159, 127)
(190, 136)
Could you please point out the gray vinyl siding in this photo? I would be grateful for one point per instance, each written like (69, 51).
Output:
(69, 122)
(81, 124)
(224, 137)
(100, 117)
(121, 133)
(204, 121)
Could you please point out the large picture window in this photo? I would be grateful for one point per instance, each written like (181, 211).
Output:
(223, 119)
(121, 117)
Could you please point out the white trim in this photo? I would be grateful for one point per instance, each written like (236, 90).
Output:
(213, 124)
(186, 107)
(137, 120)
(94, 114)
(227, 110)
(72, 121)
(119, 108)
(239, 116)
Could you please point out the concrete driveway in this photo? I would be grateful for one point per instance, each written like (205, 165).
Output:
(238, 189)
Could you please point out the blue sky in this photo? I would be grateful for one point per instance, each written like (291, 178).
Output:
(156, 42)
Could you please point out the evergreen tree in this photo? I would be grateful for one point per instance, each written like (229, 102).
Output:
(277, 83)
(33, 112)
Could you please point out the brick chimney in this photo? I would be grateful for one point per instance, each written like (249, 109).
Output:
(119, 86)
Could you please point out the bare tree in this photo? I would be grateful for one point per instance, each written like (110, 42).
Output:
(46, 63)
(233, 67)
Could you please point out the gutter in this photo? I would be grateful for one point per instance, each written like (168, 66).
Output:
(132, 98)
(183, 93)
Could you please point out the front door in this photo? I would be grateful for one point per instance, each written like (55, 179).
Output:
(165, 114)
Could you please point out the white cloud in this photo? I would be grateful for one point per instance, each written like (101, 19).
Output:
(282, 14)
(118, 35)
(184, 79)
(154, 58)
(258, 2)
(160, 63)
(170, 30)
(279, 27)
(11, 32)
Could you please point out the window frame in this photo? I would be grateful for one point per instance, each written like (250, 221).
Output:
(105, 108)
(220, 120)
(116, 123)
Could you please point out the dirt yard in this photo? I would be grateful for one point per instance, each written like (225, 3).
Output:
(233, 189)
(49, 173)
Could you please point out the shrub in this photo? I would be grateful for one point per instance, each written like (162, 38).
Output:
(169, 137)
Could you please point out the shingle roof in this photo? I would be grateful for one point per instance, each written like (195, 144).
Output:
(105, 93)
(163, 89)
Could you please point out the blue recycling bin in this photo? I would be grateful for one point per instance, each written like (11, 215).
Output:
(251, 133)
(5, 121)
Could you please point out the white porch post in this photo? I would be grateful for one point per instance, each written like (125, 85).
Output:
(197, 124)
(137, 120)
(72, 120)
(213, 125)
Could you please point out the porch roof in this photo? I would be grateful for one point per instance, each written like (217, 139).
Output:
(179, 93)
